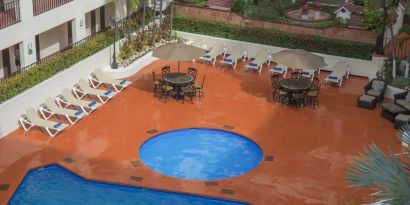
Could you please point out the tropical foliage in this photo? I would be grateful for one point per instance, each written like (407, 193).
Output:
(388, 173)
(274, 38)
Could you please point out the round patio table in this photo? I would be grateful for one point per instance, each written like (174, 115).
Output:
(178, 80)
(294, 86)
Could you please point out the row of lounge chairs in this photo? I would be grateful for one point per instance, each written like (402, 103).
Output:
(231, 54)
(70, 103)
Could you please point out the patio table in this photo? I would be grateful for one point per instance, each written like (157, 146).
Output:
(293, 86)
(178, 80)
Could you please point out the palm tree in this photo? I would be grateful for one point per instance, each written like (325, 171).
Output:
(402, 43)
(389, 174)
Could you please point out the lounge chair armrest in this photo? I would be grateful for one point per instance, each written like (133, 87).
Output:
(368, 86)
(401, 95)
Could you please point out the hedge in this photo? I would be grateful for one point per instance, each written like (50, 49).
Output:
(274, 38)
(19, 83)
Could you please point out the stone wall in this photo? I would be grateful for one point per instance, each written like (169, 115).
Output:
(339, 33)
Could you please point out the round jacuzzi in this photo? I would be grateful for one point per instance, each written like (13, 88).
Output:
(200, 154)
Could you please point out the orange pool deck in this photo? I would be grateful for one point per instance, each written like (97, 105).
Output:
(312, 149)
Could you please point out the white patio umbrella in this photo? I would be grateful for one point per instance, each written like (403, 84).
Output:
(297, 58)
(178, 52)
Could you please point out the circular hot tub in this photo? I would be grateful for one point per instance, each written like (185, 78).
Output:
(200, 154)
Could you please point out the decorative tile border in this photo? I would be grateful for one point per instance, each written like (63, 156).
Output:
(269, 158)
(4, 187)
(152, 131)
(69, 160)
(229, 127)
(136, 179)
(228, 191)
(211, 183)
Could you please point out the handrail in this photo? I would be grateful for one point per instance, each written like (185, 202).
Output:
(41, 6)
(9, 13)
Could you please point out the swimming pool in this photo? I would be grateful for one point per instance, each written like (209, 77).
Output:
(200, 154)
(55, 185)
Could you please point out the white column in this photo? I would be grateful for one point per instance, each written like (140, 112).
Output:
(97, 20)
(28, 52)
(26, 9)
(78, 28)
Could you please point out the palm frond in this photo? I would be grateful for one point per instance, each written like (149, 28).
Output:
(374, 168)
(403, 134)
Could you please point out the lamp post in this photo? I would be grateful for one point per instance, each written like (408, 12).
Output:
(114, 64)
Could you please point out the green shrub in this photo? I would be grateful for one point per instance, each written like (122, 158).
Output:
(17, 84)
(239, 6)
(274, 38)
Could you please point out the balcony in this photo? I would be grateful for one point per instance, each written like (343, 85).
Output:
(9, 13)
(41, 6)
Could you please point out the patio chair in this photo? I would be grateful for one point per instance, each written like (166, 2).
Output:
(312, 96)
(98, 78)
(262, 57)
(66, 99)
(307, 73)
(216, 50)
(31, 119)
(167, 91)
(403, 100)
(165, 70)
(82, 89)
(280, 69)
(199, 88)
(192, 72)
(340, 70)
(187, 91)
(376, 88)
(278, 94)
(157, 85)
(50, 108)
(236, 53)
(296, 74)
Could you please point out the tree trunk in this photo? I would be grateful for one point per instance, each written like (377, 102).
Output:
(144, 8)
(160, 14)
(406, 74)
(393, 43)
(129, 18)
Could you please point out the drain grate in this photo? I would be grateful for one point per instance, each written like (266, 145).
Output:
(4, 187)
(152, 131)
(269, 158)
(135, 164)
(136, 179)
(229, 127)
(68, 160)
(228, 191)
(211, 183)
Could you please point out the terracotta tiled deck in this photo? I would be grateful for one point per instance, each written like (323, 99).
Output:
(312, 148)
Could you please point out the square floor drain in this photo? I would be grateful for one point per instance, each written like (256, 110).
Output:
(68, 160)
(211, 183)
(4, 187)
(227, 191)
(136, 179)
(229, 127)
(152, 131)
(135, 163)
(269, 158)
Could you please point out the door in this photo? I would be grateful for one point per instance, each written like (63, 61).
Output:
(70, 33)
(102, 18)
(1, 5)
(93, 23)
(6, 62)
(37, 48)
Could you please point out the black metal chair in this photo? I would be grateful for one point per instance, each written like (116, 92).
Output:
(157, 85)
(199, 88)
(165, 70)
(166, 91)
(192, 72)
(187, 91)
(278, 94)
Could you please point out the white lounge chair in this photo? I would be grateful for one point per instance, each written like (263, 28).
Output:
(82, 89)
(31, 119)
(262, 57)
(307, 73)
(340, 70)
(280, 69)
(98, 78)
(236, 53)
(66, 99)
(216, 50)
(50, 108)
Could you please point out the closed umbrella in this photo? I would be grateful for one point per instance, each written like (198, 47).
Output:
(297, 58)
(178, 52)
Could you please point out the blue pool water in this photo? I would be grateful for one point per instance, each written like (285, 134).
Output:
(200, 154)
(54, 185)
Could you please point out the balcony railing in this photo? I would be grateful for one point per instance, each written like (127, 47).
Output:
(41, 6)
(9, 13)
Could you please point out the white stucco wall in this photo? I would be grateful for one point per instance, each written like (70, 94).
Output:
(53, 40)
(1, 65)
